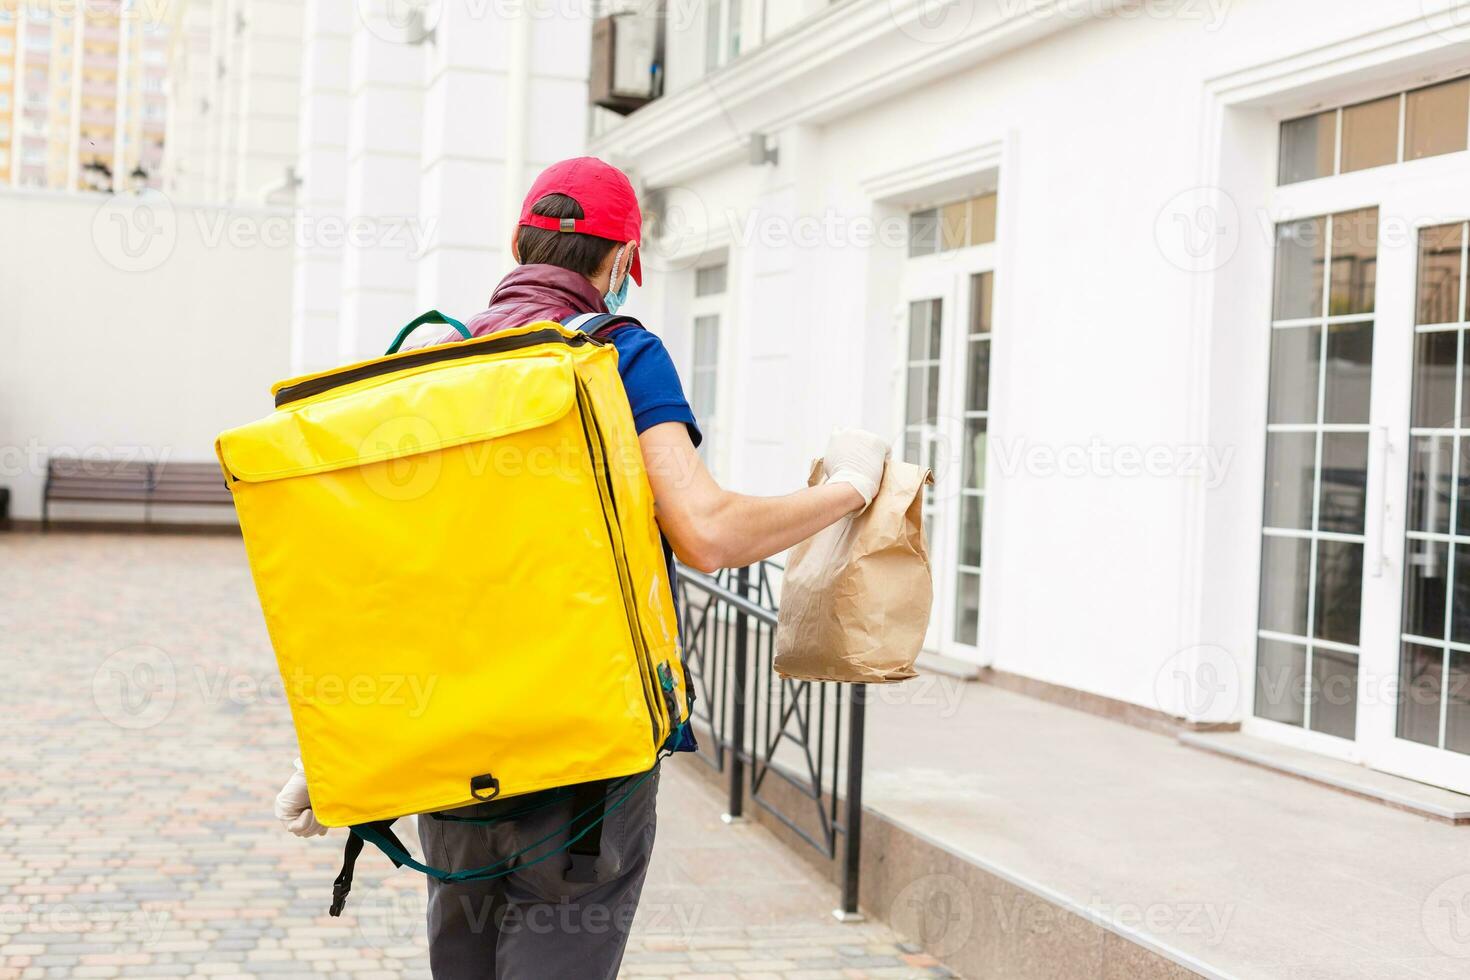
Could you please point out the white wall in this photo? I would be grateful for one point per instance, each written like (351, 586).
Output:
(1104, 333)
(143, 354)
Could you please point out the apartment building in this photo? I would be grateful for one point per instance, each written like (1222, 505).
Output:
(1170, 295)
(82, 100)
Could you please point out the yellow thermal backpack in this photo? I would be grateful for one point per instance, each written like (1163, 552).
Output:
(456, 554)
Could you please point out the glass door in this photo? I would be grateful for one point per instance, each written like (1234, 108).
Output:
(947, 327)
(1416, 715)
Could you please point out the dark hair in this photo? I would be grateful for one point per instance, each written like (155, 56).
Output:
(583, 254)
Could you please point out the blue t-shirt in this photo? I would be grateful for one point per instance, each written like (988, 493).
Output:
(652, 382)
(656, 396)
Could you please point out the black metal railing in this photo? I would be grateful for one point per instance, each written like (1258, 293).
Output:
(793, 747)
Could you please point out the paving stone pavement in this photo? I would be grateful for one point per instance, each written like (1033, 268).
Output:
(145, 735)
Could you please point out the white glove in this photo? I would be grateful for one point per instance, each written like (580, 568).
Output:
(856, 458)
(293, 806)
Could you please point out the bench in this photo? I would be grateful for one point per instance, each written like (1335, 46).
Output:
(94, 481)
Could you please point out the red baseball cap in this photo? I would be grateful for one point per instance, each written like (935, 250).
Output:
(607, 199)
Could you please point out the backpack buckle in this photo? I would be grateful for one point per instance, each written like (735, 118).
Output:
(484, 787)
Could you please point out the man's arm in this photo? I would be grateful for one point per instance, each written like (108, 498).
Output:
(710, 527)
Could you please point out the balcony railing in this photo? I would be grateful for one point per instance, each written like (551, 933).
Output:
(795, 748)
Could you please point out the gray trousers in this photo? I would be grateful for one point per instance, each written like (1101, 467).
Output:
(533, 924)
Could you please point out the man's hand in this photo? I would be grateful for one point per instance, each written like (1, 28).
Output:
(856, 458)
(293, 806)
(711, 528)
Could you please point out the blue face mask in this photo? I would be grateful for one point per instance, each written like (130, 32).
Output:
(615, 301)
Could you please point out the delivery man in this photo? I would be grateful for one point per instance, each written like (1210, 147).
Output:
(577, 246)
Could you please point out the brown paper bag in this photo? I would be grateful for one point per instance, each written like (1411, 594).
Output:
(855, 598)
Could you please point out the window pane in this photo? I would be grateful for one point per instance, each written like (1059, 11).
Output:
(703, 391)
(982, 219)
(1435, 355)
(917, 398)
(1281, 670)
(1463, 490)
(978, 383)
(1334, 692)
(1308, 146)
(706, 341)
(972, 509)
(919, 330)
(1284, 570)
(1460, 609)
(1424, 591)
(1339, 591)
(1344, 482)
(1420, 679)
(954, 225)
(1300, 254)
(1349, 371)
(931, 391)
(710, 281)
(1370, 134)
(967, 608)
(976, 436)
(1291, 458)
(1440, 252)
(1354, 261)
(934, 315)
(1429, 483)
(982, 297)
(1457, 717)
(1437, 120)
(923, 233)
(1296, 353)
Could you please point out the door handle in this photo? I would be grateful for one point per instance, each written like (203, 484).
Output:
(1379, 562)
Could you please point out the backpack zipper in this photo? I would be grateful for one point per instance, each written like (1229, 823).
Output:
(620, 559)
(434, 355)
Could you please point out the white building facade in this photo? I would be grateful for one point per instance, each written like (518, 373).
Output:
(1171, 295)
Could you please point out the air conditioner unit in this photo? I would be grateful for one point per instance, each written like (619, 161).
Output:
(627, 70)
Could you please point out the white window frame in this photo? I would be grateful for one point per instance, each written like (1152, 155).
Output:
(714, 448)
(1409, 196)
(946, 276)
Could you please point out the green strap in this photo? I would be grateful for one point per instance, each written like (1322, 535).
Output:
(497, 870)
(433, 316)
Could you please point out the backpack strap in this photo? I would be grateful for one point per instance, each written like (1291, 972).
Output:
(593, 324)
(589, 803)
